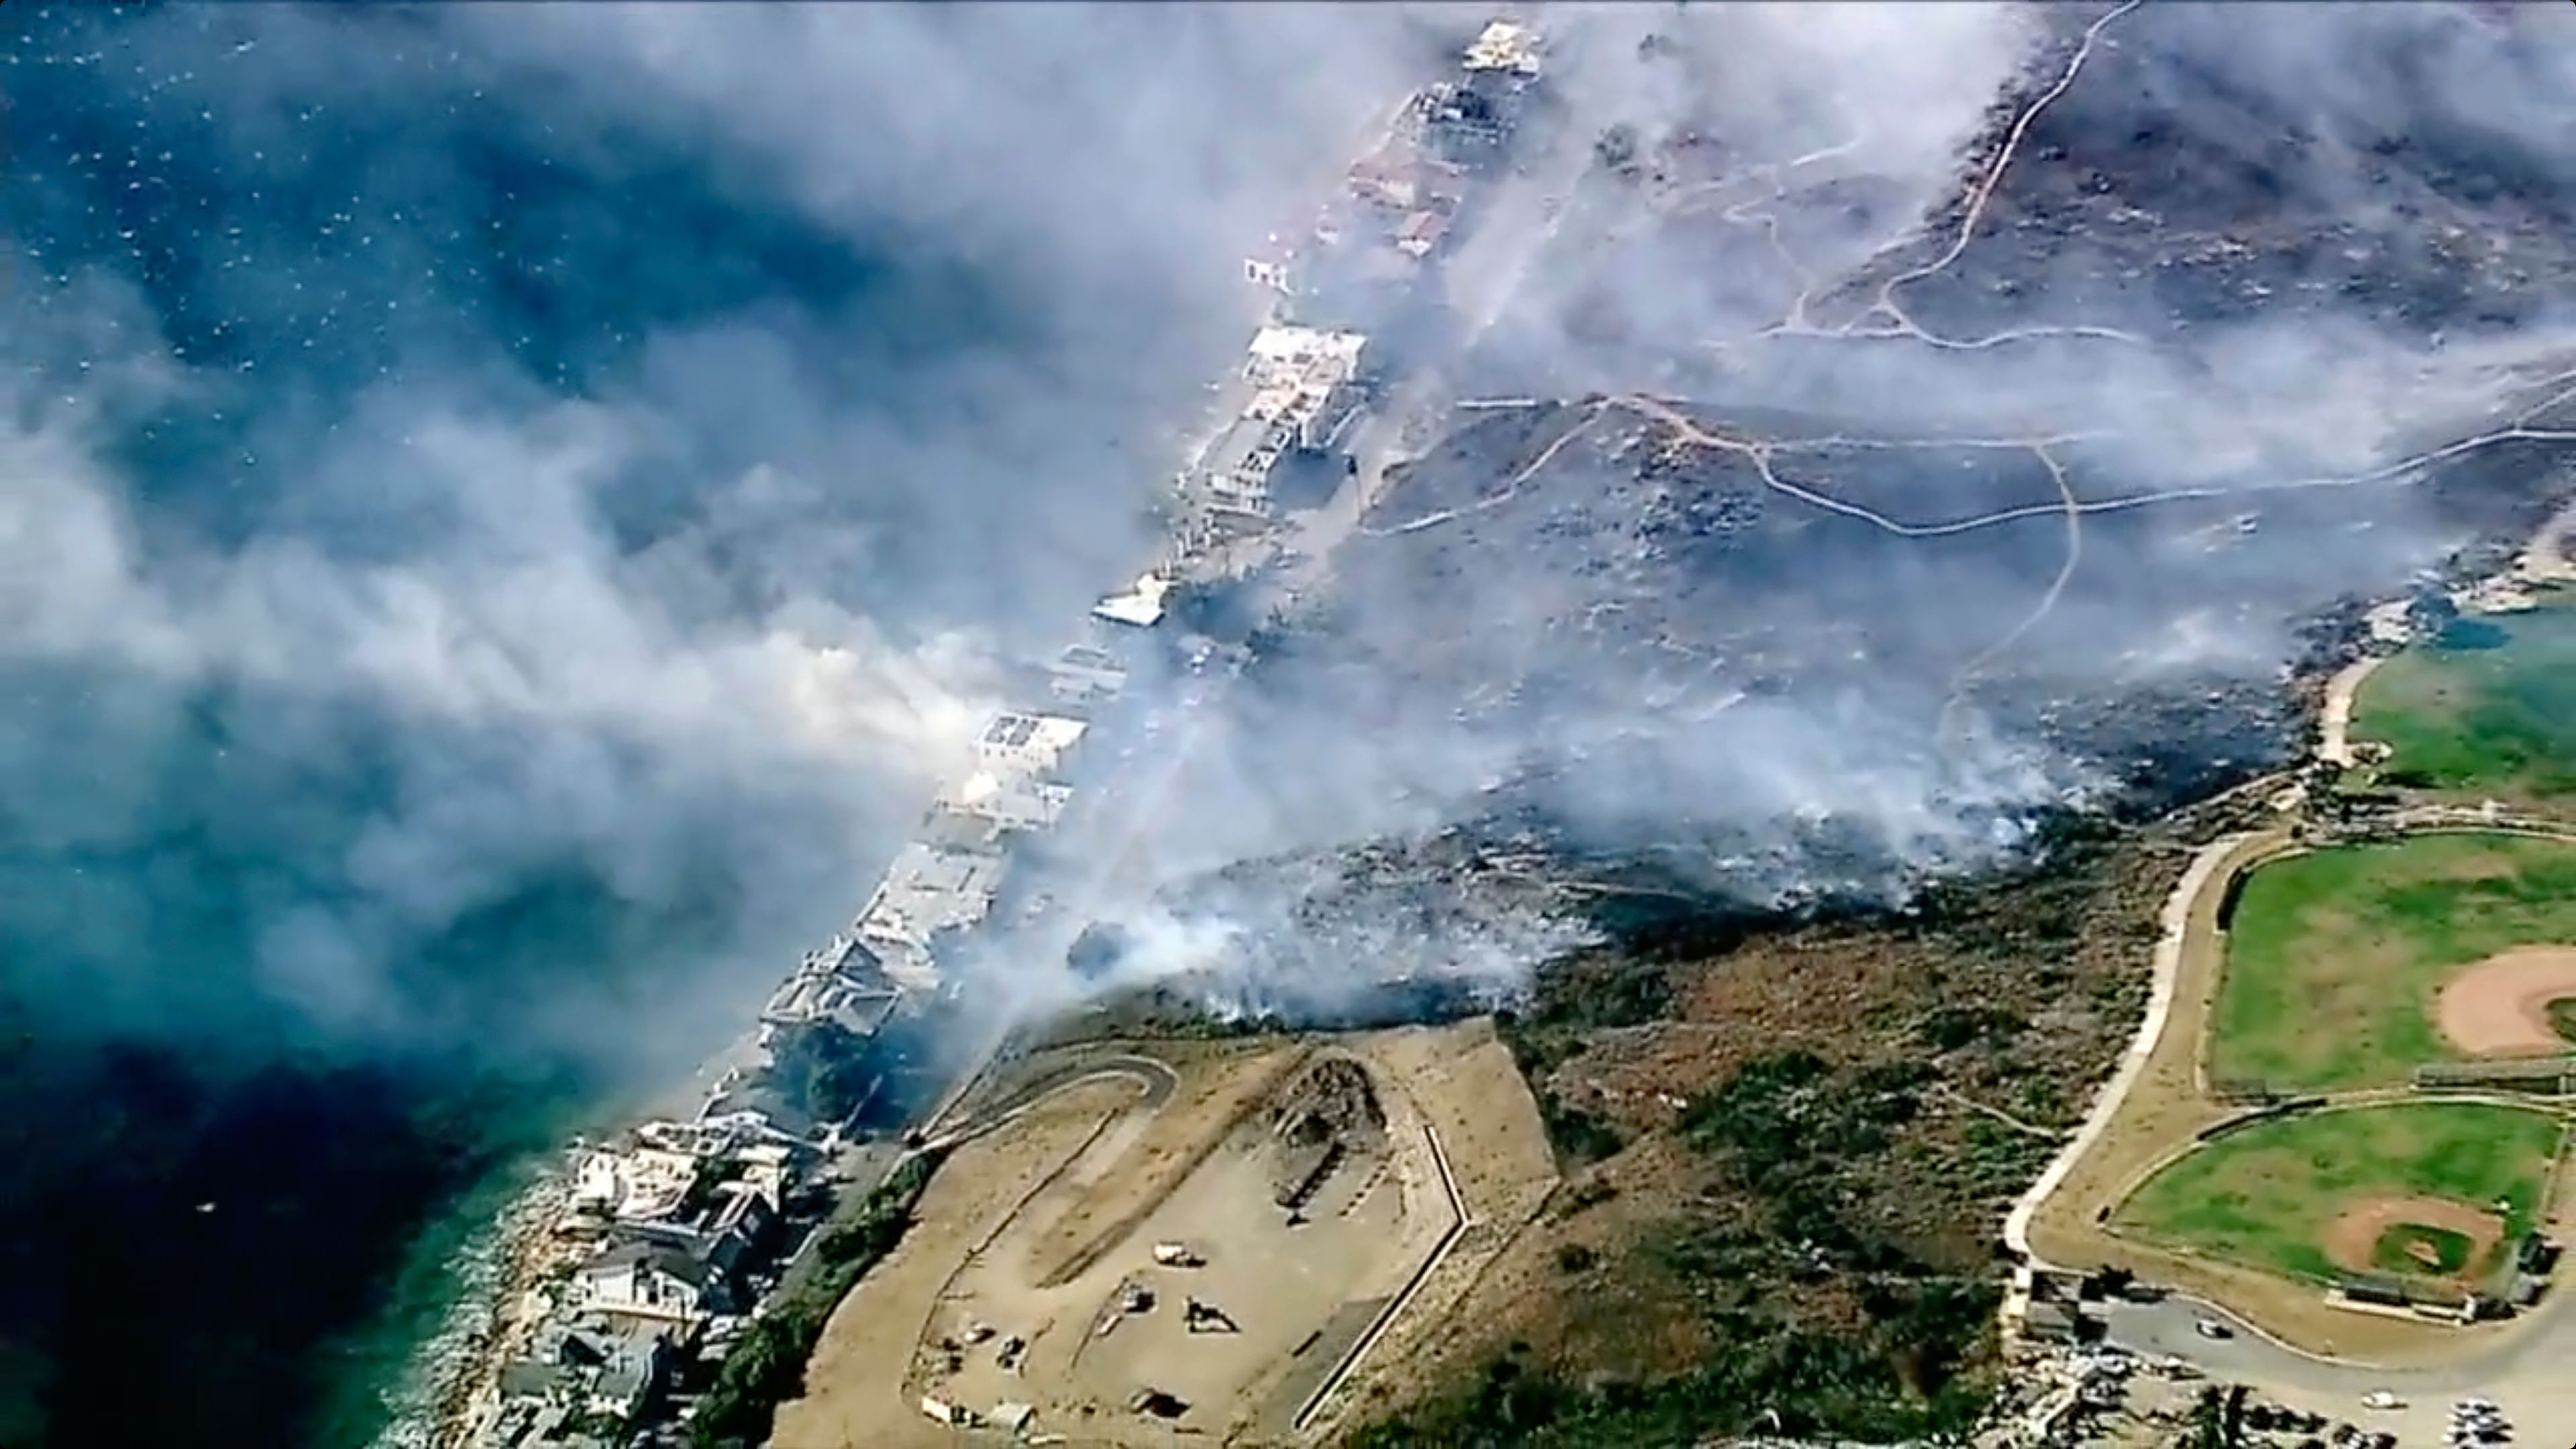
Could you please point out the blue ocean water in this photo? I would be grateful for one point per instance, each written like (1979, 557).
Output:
(291, 966)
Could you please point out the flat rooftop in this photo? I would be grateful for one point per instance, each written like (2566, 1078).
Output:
(1141, 605)
(1086, 656)
(1282, 352)
(928, 891)
(1037, 737)
(999, 799)
(1505, 45)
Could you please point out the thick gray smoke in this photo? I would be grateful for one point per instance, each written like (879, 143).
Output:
(746, 595)
(2217, 287)
(509, 511)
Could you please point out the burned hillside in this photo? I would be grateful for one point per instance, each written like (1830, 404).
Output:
(1702, 608)
(2160, 178)
(1784, 503)
(2209, 163)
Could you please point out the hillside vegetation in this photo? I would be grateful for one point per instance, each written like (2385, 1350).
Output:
(1790, 1150)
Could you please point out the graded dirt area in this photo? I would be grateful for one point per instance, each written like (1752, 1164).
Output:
(1203, 1261)
(1495, 1150)
(2500, 1007)
(2411, 1230)
(855, 1380)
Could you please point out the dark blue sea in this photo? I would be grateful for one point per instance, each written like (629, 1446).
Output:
(485, 563)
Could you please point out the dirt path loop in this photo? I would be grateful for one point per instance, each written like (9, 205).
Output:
(2500, 1006)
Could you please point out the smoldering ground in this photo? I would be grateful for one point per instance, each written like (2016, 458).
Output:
(1765, 637)
(512, 507)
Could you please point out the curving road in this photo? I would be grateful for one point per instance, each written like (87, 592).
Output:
(2530, 1374)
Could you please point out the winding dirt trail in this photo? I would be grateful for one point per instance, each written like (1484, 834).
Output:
(1511, 486)
(1762, 452)
(1968, 672)
(2334, 720)
(2003, 160)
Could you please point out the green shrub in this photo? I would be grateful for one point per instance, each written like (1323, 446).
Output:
(766, 1367)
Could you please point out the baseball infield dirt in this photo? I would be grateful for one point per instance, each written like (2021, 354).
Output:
(2500, 1006)
(2352, 1239)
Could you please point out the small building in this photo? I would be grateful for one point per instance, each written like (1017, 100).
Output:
(1385, 181)
(1399, 177)
(1139, 607)
(1467, 123)
(1420, 234)
(593, 1366)
(843, 982)
(1270, 276)
(1086, 674)
(1030, 744)
(632, 1185)
(1235, 474)
(724, 1232)
(928, 894)
(1504, 47)
(1303, 383)
(653, 1282)
(1500, 69)
(998, 803)
(2048, 1321)
(1298, 360)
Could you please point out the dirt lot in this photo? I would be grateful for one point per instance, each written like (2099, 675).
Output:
(2500, 1006)
(1475, 1098)
(1298, 1175)
(856, 1378)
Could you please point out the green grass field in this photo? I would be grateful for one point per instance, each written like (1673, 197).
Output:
(2264, 1196)
(2490, 710)
(2334, 957)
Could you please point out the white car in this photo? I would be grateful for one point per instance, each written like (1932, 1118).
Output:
(2211, 1328)
(2382, 1399)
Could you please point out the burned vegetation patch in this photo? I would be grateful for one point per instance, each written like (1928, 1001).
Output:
(2204, 165)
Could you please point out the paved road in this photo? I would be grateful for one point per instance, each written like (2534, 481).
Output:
(2531, 1374)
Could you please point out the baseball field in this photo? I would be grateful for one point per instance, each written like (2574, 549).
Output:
(2434, 1191)
(2348, 967)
